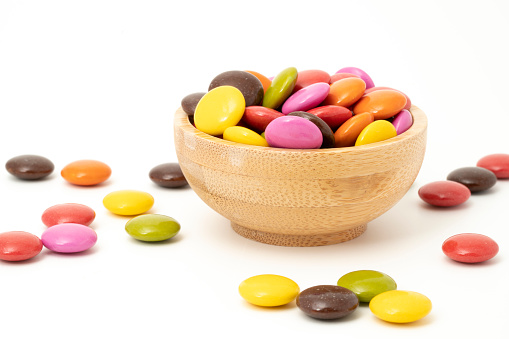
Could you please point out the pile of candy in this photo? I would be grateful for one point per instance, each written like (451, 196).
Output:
(457, 189)
(68, 224)
(337, 301)
(301, 110)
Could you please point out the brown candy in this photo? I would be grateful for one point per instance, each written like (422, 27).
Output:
(29, 167)
(190, 101)
(328, 135)
(245, 82)
(168, 175)
(475, 178)
(327, 302)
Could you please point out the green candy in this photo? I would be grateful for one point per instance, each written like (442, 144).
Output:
(281, 88)
(152, 227)
(366, 284)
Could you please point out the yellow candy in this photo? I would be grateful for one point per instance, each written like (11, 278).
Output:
(400, 306)
(128, 202)
(219, 109)
(244, 136)
(269, 290)
(376, 131)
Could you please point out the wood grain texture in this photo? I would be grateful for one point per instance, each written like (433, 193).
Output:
(300, 197)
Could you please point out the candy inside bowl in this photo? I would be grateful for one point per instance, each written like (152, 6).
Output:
(294, 197)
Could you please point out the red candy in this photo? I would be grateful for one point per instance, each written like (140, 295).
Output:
(497, 163)
(68, 213)
(444, 193)
(333, 115)
(309, 77)
(18, 246)
(258, 117)
(470, 248)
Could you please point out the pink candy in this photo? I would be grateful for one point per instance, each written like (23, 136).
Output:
(69, 238)
(293, 132)
(306, 98)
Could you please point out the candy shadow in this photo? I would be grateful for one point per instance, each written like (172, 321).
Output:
(489, 262)
(427, 320)
(281, 308)
(350, 317)
(30, 261)
(175, 239)
(460, 207)
(85, 253)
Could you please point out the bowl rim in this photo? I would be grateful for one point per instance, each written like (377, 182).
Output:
(419, 125)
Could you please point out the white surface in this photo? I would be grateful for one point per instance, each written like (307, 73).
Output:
(102, 79)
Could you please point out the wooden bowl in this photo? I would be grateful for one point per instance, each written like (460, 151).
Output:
(300, 197)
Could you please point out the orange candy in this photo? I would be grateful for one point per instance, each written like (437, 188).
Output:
(408, 101)
(345, 92)
(86, 172)
(347, 134)
(263, 79)
(384, 103)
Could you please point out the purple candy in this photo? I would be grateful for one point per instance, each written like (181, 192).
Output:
(69, 238)
(293, 132)
(306, 98)
(357, 71)
(402, 121)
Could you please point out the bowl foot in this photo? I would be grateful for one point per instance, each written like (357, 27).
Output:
(299, 240)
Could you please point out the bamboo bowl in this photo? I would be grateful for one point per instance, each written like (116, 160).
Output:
(299, 197)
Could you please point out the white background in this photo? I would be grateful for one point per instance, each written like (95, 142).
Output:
(102, 79)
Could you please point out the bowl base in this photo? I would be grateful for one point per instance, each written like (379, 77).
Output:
(291, 240)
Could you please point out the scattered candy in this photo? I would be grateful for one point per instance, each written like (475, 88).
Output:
(29, 167)
(366, 284)
(248, 84)
(68, 213)
(400, 306)
(69, 238)
(219, 109)
(497, 163)
(475, 178)
(327, 302)
(152, 227)
(269, 290)
(244, 135)
(376, 131)
(168, 175)
(86, 172)
(18, 246)
(128, 202)
(293, 132)
(444, 193)
(190, 101)
(470, 248)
